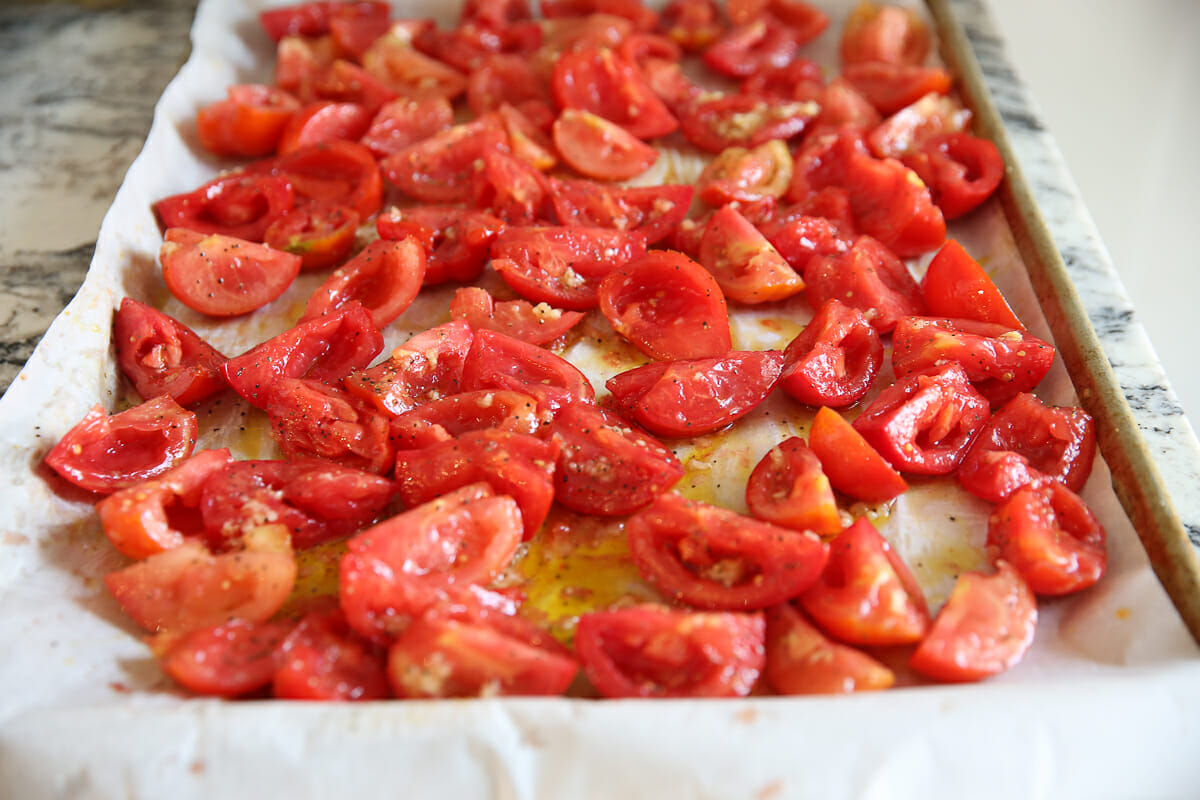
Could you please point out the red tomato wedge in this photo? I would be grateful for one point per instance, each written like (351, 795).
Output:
(747, 267)
(907, 131)
(600, 149)
(323, 122)
(852, 465)
(691, 24)
(691, 398)
(457, 241)
(239, 205)
(713, 558)
(226, 660)
(652, 211)
(409, 72)
(104, 453)
(954, 285)
(961, 171)
(520, 319)
(868, 277)
(496, 361)
(742, 120)
(247, 123)
(748, 48)
(385, 278)
(880, 32)
(313, 419)
(511, 189)
(788, 487)
(338, 172)
(746, 175)
(834, 360)
(891, 87)
(224, 276)
(668, 306)
(439, 169)
(322, 235)
(801, 660)
(985, 628)
(599, 80)
(427, 366)
(406, 121)
(867, 595)
(161, 355)
(443, 419)
(323, 659)
(653, 651)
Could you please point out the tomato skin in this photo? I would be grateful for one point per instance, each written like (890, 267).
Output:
(300, 62)
(385, 277)
(1050, 537)
(600, 149)
(249, 122)
(652, 651)
(323, 659)
(985, 628)
(788, 487)
(457, 241)
(137, 520)
(161, 355)
(908, 130)
(223, 276)
(599, 80)
(756, 45)
(954, 285)
(746, 266)
(801, 660)
(311, 418)
(439, 169)
(455, 658)
(511, 189)
(504, 78)
(743, 120)
(1000, 362)
(800, 79)
(323, 122)
(427, 366)
(187, 587)
(852, 465)
(800, 238)
(961, 171)
(746, 175)
(924, 423)
(226, 660)
(405, 121)
(338, 171)
(835, 359)
(867, 595)
(537, 325)
(891, 87)
(892, 204)
(447, 417)
(410, 73)
(691, 398)
(693, 323)
(843, 105)
(346, 82)
(868, 277)
(1027, 442)
(652, 211)
(605, 467)
(322, 235)
(891, 34)
(326, 348)
(496, 361)
(238, 205)
(104, 453)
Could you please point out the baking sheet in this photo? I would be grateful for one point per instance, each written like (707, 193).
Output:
(1105, 692)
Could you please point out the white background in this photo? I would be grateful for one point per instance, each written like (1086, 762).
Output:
(1118, 82)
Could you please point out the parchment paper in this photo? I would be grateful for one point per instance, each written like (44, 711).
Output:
(1104, 704)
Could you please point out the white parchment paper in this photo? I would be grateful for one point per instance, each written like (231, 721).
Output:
(1106, 703)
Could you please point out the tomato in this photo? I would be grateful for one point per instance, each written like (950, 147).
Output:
(852, 465)
(338, 172)
(322, 235)
(799, 79)
(892, 204)
(599, 80)
(605, 467)
(538, 325)
(497, 361)
(248, 122)
(405, 121)
(562, 266)
(643, 18)
(743, 120)
(1050, 537)
(427, 366)
(514, 464)
(801, 660)
(835, 359)
(868, 277)
(668, 306)
(800, 238)
(226, 660)
(466, 47)
(746, 175)
(806, 21)
(316, 18)
(954, 285)
(310, 418)
(322, 122)
(867, 595)
(315, 500)
(961, 171)
(447, 417)
(691, 398)
(439, 169)
(788, 487)
(600, 149)
(385, 277)
(746, 266)
(457, 241)
(891, 87)
(891, 34)
(452, 658)
(409, 72)
(497, 14)
(652, 211)
(528, 128)
(820, 161)
(238, 205)
(652, 651)
(222, 275)
(160, 355)
(511, 189)
(105, 453)
(911, 127)
(924, 423)
(756, 45)
(984, 629)
(640, 46)
(187, 587)
(346, 82)
(1027, 442)
(323, 659)
(141, 520)
(300, 61)
(1001, 362)
(843, 105)
(670, 84)
(399, 568)
(691, 24)
(504, 78)
(354, 35)
(326, 348)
